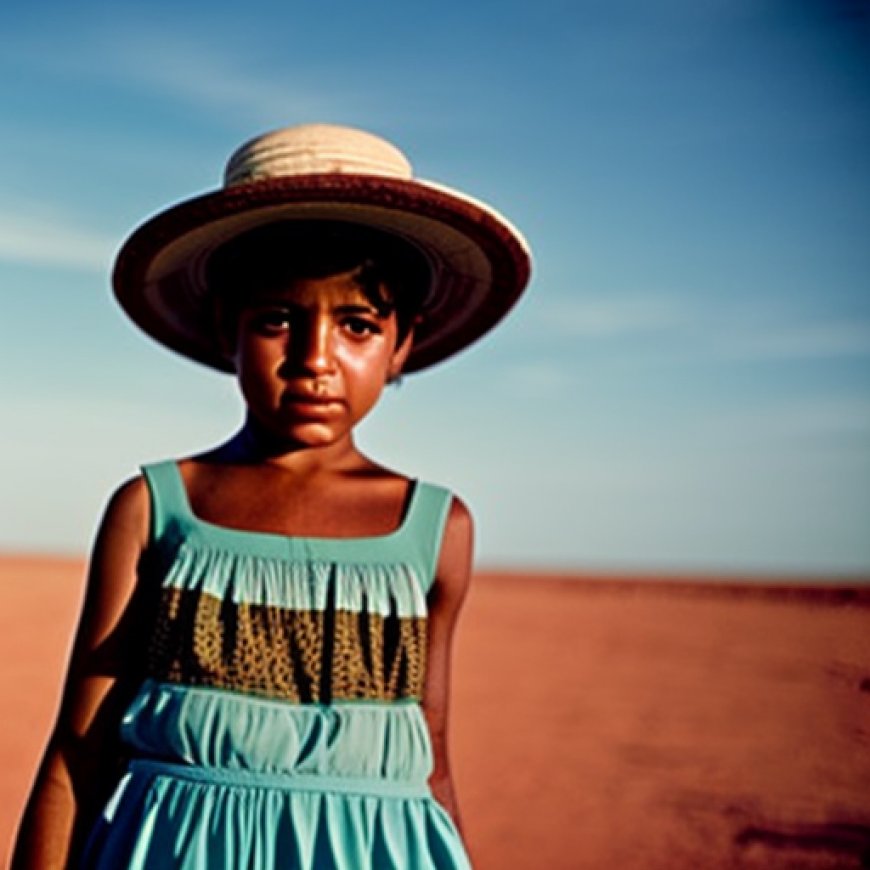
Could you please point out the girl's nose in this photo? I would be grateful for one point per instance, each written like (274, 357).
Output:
(311, 345)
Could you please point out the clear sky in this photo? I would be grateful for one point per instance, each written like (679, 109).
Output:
(686, 385)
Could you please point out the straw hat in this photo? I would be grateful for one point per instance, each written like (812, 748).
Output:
(480, 264)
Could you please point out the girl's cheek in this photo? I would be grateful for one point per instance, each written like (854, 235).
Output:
(255, 345)
(370, 364)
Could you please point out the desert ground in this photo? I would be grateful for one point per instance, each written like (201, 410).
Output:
(599, 722)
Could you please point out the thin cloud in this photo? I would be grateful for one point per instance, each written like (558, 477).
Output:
(819, 419)
(612, 317)
(184, 71)
(211, 75)
(188, 69)
(48, 240)
(836, 338)
(738, 334)
(539, 377)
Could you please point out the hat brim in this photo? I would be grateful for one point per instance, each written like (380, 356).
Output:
(480, 263)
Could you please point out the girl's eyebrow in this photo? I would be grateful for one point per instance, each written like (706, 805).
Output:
(357, 308)
(339, 308)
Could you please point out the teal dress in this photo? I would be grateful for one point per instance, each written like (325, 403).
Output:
(279, 722)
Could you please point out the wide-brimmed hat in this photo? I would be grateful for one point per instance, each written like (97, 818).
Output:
(479, 263)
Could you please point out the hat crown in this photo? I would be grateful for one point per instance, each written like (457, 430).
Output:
(312, 149)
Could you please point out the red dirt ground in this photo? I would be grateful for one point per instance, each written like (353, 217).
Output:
(598, 722)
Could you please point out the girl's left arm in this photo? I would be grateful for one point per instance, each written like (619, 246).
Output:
(448, 591)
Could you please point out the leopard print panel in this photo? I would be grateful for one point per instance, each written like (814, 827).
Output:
(277, 652)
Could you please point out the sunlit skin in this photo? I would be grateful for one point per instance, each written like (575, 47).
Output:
(312, 360)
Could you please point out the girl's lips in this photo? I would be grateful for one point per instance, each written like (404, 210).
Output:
(309, 399)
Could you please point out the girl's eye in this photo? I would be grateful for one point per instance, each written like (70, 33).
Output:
(361, 326)
(271, 320)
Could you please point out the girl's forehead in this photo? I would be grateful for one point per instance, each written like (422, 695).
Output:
(329, 292)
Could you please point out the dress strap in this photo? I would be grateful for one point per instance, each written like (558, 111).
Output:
(168, 496)
(425, 523)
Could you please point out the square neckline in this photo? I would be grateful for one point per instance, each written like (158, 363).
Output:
(185, 507)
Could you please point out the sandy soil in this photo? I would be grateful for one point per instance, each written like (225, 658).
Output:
(598, 722)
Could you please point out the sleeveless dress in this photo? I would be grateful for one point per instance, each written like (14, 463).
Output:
(279, 722)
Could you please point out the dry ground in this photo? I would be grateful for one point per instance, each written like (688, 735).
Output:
(598, 722)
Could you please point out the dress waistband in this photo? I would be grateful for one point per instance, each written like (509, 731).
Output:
(285, 781)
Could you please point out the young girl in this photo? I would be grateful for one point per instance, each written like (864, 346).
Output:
(260, 677)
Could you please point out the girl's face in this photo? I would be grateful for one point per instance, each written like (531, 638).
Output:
(312, 358)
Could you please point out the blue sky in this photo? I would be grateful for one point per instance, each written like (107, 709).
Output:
(686, 385)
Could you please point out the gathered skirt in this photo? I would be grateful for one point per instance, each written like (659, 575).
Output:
(166, 815)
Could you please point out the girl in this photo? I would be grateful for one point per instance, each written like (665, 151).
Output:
(260, 677)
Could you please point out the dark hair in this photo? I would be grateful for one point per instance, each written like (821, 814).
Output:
(392, 274)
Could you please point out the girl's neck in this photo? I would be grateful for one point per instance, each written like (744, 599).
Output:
(254, 445)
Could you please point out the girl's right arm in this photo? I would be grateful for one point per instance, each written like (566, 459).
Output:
(82, 749)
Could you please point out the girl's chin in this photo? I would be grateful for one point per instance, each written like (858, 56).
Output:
(295, 436)
(311, 436)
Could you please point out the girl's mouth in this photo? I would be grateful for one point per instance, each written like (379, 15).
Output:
(309, 399)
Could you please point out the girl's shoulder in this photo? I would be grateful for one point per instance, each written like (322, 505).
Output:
(457, 545)
(460, 514)
(128, 508)
(121, 539)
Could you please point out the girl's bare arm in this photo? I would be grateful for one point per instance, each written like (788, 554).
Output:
(445, 600)
(82, 749)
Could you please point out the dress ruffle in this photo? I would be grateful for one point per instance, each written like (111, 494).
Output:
(158, 820)
(388, 589)
(220, 729)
